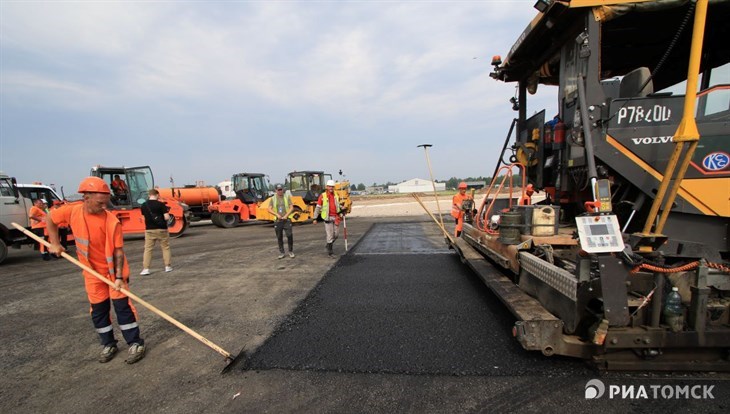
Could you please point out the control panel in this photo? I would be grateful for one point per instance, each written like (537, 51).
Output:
(599, 233)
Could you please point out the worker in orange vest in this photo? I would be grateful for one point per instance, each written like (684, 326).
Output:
(99, 245)
(119, 187)
(37, 216)
(457, 211)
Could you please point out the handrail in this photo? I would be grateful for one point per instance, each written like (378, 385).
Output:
(482, 217)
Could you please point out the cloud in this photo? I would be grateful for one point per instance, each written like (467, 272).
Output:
(215, 85)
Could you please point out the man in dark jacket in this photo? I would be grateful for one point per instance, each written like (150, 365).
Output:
(156, 217)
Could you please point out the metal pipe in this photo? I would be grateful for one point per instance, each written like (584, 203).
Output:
(656, 300)
(686, 131)
(587, 137)
(637, 206)
(504, 147)
(675, 187)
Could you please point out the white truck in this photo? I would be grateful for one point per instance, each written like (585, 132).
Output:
(14, 207)
(15, 203)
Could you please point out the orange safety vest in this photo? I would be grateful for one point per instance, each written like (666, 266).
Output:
(119, 186)
(35, 212)
(81, 236)
(456, 204)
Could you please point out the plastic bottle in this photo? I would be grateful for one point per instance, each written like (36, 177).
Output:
(673, 314)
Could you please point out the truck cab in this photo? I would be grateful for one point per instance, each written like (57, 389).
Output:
(129, 191)
(36, 190)
(13, 209)
(135, 182)
(308, 184)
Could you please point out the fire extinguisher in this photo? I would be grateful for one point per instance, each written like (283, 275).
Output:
(547, 137)
(559, 134)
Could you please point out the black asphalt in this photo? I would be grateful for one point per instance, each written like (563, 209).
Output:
(401, 302)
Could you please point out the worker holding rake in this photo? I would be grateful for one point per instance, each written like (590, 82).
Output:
(99, 245)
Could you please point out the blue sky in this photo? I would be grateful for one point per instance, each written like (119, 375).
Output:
(202, 90)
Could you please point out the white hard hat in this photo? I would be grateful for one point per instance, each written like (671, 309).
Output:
(330, 183)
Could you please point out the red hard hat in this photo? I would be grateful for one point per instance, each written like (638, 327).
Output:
(462, 185)
(93, 185)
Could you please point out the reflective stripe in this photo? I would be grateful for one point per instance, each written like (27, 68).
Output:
(104, 329)
(81, 241)
(128, 326)
(81, 252)
(109, 259)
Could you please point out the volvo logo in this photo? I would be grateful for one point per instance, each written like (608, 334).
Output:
(652, 140)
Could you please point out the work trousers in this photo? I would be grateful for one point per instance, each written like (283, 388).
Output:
(101, 296)
(40, 233)
(332, 230)
(281, 227)
(459, 224)
(150, 238)
(126, 318)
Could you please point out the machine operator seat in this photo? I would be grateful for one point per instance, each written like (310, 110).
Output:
(634, 80)
(312, 195)
(245, 196)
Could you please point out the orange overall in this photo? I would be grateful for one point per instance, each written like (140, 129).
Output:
(456, 211)
(38, 224)
(97, 237)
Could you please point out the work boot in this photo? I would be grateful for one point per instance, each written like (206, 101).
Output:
(46, 257)
(281, 256)
(136, 352)
(329, 250)
(107, 353)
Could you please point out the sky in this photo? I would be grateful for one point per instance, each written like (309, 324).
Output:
(200, 90)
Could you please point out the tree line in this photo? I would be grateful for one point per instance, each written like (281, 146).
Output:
(451, 183)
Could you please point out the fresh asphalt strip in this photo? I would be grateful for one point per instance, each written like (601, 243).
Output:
(410, 311)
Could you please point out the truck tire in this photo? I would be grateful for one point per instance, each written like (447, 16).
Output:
(3, 250)
(228, 220)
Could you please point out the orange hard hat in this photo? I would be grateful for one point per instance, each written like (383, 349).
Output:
(462, 185)
(93, 185)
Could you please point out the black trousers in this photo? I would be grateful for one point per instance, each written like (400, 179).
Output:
(281, 227)
(100, 315)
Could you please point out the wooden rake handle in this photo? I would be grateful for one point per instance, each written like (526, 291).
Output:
(136, 298)
(440, 225)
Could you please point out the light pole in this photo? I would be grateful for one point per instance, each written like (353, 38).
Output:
(428, 162)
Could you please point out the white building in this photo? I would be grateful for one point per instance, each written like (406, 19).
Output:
(416, 185)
